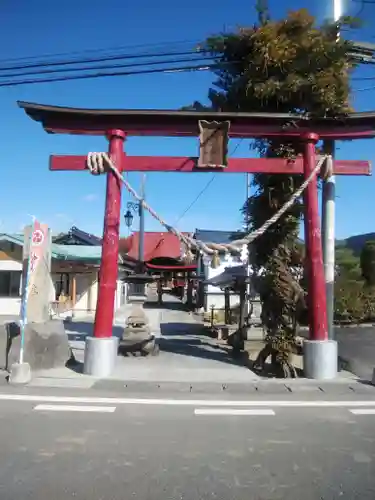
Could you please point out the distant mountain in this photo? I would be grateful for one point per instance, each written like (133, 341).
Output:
(356, 243)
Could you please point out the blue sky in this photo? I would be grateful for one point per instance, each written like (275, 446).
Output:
(39, 27)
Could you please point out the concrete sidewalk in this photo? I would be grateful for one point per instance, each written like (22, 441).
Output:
(186, 355)
(189, 358)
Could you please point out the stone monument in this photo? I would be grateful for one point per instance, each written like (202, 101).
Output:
(36, 275)
(44, 343)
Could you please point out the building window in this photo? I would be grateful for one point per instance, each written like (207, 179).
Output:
(62, 285)
(10, 283)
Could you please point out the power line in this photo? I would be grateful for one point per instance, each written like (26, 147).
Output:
(106, 67)
(364, 89)
(361, 7)
(105, 74)
(196, 198)
(107, 49)
(200, 56)
(117, 57)
(193, 58)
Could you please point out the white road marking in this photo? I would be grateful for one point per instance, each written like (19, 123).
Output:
(92, 409)
(231, 411)
(187, 402)
(363, 411)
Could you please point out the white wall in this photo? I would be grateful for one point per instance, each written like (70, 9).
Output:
(121, 294)
(10, 305)
(217, 299)
(10, 265)
(215, 296)
(87, 295)
(86, 292)
(84, 285)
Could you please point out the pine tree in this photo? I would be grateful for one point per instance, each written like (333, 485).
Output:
(287, 65)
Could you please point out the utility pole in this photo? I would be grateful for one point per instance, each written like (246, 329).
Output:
(328, 213)
(248, 264)
(141, 213)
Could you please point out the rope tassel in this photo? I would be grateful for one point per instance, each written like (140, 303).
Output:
(215, 261)
(189, 256)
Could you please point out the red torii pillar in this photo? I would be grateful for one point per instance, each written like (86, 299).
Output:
(320, 352)
(101, 349)
(111, 233)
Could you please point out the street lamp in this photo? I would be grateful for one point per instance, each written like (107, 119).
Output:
(128, 216)
(136, 207)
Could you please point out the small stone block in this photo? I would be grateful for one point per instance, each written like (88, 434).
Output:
(20, 374)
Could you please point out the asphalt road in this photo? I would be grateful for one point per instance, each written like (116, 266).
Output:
(127, 449)
(357, 349)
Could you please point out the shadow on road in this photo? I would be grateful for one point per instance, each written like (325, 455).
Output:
(79, 330)
(167, 305)
(183, 339)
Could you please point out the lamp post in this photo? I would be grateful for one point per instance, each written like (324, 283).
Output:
(137, 207)
(138, 331)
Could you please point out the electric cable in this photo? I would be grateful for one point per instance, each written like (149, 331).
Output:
(192, 43)
(105, 74)
(104, 67)
(115, 57)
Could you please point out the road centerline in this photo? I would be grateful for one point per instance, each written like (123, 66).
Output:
(75, 408)
(363, 411)
(233, 412)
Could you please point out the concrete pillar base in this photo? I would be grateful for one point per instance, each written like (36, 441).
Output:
(20, 374)
(320, 359)
(100, 356)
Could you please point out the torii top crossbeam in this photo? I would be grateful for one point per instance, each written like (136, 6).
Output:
(136, 122)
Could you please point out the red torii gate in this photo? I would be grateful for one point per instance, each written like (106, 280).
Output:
(116, 125)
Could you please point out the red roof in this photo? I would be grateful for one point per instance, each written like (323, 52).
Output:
(156, 244)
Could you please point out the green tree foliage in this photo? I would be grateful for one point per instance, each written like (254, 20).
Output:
(368, 263)
(287, 65)
(354, 284)
(348, 264)
(349, 297)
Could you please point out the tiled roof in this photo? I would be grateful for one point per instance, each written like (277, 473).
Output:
(228, 276)
(75, 234)
(156, 244)
(62, 252)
